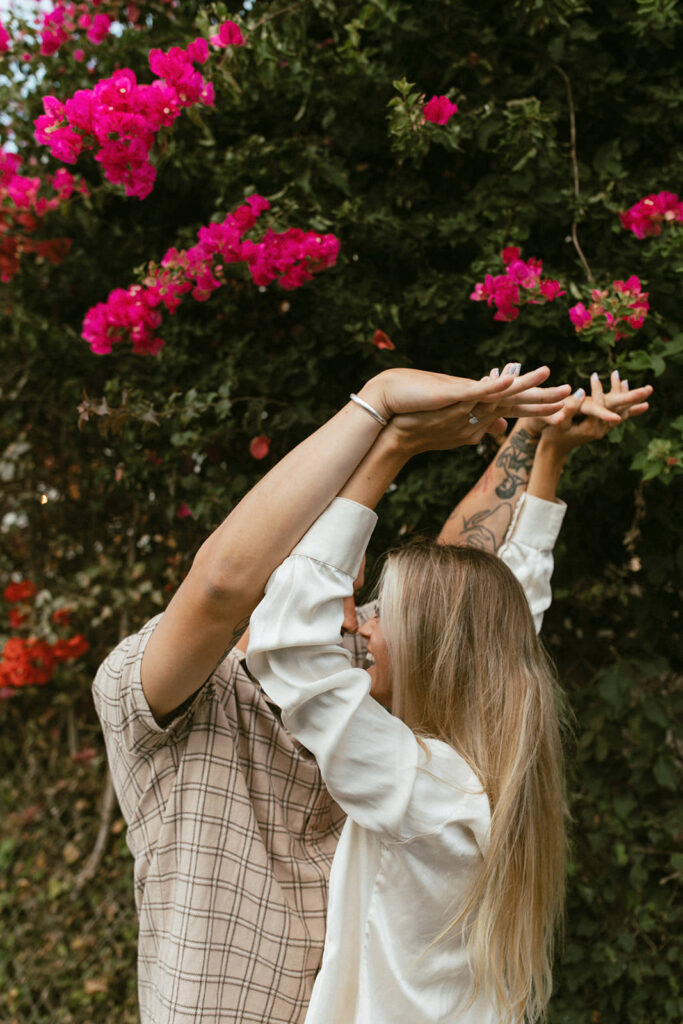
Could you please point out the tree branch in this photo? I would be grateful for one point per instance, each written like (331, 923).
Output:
(575, 168)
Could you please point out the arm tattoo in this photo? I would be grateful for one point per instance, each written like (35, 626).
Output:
(516, 460)
(236, 635)
(476, 534)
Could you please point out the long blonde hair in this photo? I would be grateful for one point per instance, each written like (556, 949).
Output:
(468, 669)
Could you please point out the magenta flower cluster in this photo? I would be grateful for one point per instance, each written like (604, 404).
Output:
(521, 284)
(65, 20)
(624, 304)
(439, 110)
(22, 210)
(120, 118)
(647, 215)
(4, 39)
(292, 257)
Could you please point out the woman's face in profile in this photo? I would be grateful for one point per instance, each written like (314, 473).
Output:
(378, 664)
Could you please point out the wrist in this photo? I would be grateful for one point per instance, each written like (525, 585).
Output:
(532, 424)
(374, 394)
(553, 454)
(395, 445)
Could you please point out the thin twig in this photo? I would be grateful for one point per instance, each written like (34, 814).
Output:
(276, 14)
(89, 869)
(575, 167)
(108, 803)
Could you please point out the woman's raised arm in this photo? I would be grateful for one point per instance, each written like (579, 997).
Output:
(227, 578)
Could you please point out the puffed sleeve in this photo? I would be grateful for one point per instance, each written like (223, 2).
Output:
(528, 549)
(366, 756)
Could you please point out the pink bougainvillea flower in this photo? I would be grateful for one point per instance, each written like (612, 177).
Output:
(439, 110)
(79, 56)
(381, 340)
(510, 253)
(631, 286)
(4, 39)
(612, 309)
(291, 257)
(259, 446)
(229, 34)
(99, 29)
(183, 511)
(580, 316)
(647, 215)
(198, 50)
(522, 283)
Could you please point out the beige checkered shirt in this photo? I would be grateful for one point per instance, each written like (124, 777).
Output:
(233, 835)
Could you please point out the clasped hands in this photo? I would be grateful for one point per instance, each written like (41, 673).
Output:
(431, 411)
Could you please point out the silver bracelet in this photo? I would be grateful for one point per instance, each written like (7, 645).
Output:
(368, 408)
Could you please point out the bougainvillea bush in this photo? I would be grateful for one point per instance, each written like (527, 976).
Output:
(215, 222)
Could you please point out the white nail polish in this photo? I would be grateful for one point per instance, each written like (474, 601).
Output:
(616, 374)
(594, 376)
(579, 393)
(495, 372)
(625, 383)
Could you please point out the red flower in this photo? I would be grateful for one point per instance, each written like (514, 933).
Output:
(16, 592)
(16, 618)
(183, 511)
(61, 616)
(381, 340)
(70, 650)
(259, 446)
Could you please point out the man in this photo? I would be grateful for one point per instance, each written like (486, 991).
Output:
(232, 831)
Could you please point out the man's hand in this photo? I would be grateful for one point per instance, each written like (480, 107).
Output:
(609, 408)
(586, 419)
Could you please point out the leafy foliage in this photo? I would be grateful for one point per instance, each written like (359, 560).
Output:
(320, 113)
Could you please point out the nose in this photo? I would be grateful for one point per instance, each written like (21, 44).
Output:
(367, 627)
(350, 623)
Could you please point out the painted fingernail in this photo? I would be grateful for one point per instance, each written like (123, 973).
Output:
(510, 369)
(495, 372)
(625, 383)
(616, 374)
(594, 376)
(518, 368)
(579, 393)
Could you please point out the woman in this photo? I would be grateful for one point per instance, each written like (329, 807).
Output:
(448, 881)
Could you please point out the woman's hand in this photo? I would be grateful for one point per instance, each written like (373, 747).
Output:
(465, 422)
(400, 390)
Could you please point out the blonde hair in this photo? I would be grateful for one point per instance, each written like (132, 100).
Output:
(467, 668)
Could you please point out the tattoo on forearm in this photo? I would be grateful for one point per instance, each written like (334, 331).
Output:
(237, 633)
(476, 534)
(516, 459)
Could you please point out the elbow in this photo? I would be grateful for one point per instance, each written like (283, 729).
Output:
(225, 581)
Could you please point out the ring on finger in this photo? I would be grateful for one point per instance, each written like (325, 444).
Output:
(472, 419)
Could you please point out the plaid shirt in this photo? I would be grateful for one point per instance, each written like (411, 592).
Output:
(233, 835)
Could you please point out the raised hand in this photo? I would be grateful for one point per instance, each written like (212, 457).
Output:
(402, 391)
(466, 421)
(590, 418)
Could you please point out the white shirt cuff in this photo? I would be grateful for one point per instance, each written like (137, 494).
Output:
(536, 522)
(339, 536)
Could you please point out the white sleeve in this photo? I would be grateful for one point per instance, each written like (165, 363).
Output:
(366, 756)
(528, 549)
